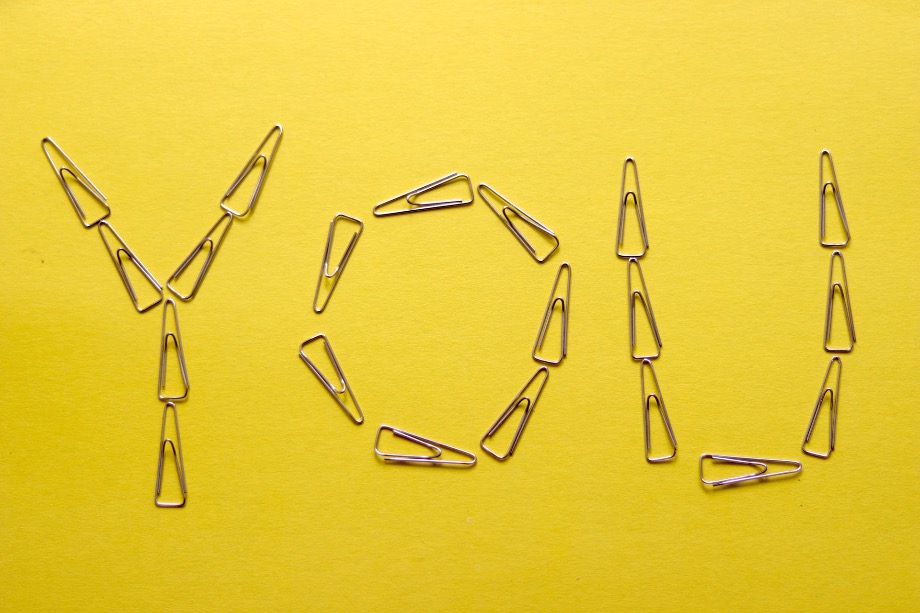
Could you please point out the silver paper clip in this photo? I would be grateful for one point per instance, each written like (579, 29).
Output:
(658, 398)
(643, 297)
(834, 395)
(508, 206)
(74, 172)
(177, 456)
(176, 337)
(209, 243)
(335, 392)
(336, 273)
(548, 314)
(411, 200)
(527, 403)
(760, 464)
(838, 199)
(637, 201)
(433, 458)
(844, 289)
(259, 157)
(116, 255)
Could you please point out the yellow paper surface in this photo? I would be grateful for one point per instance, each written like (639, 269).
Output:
(725, 106)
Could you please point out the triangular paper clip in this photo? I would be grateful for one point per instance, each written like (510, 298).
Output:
(658, 398)
(838, 199)
(834, 394)
(177, 456)
(257, 157)
(434, 447)
(212, 246)
(116, 256)
(336, 273)
(505, 219)
(80, 177)
(413, 206)
(844, 290)
(760, 464)
(643, 297)
(548, 315)
(335, 392)
(527, 403)
(621, 218)
(176, 337)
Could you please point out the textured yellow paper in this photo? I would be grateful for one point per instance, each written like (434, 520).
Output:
(725, 107)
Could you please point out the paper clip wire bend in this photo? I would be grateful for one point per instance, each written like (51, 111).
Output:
(548, 314)
(413, 206)
(124, 249)
(80, 177)
(528, 404)
(212, 246)
(838, 199)
(334, 391)
(432, 459)
(761, 464)
(643, 297)
(844, 288)
(503, 216)
(176, 338)
(256, 157)
(834, 394)
(658, 397)
(177, 455)
(621, 221)
(335, 274)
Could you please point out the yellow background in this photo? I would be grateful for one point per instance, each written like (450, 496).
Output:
(725, 106)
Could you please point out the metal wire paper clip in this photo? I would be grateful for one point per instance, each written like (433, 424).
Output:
(761, 464)
(844, 288)
(77, 175)
(335, 274)
(259, 157)
(165, 337)
(621, 218)
(658, 398)
(177, 455)
(643, 297)
(435, 448)
(515, 210)
(116, 256)
(212, 246)
(835, 188)
(412, 204)
(335, 392)
(834, 394)
(548, 314)
(525, 402)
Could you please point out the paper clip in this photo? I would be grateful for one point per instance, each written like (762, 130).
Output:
(844, 288)
(761, 464)
(548, 314)
(258, 157)
(212, 247)
(658, 398)
(432, 459)
(413, 206)
(525, 402)
(335, 274)
(637, 201)
(834, 394)
(177, 456)
(514, 209)
(835, 187)
(116, 256)
(335, 392)
(643, 297)
(176, 339)
(80, 177)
